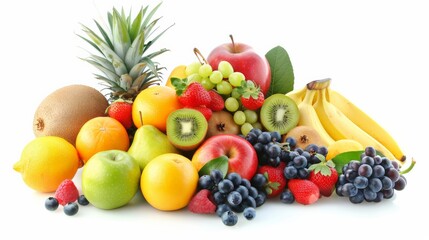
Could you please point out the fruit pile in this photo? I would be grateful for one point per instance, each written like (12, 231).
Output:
(222, 136)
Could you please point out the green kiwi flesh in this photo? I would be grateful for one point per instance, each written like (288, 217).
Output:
(186, 128)
(279, 113)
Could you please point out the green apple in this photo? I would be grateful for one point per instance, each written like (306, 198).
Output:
(148, 143)
(110, 179)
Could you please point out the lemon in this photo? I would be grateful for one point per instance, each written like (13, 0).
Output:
(46, 161)
(343, 145)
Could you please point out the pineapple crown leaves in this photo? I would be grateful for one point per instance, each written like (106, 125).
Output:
(324, 167)
(249, 89)
(123, 48)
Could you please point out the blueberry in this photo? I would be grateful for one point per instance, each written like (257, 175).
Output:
(205, 182)
(264, 138)
(216, 175)
(260, 199)
(234, 198)
(276, 136)
(235, 178)
(82, 200)
(259, 180)
(221, 208)
(249, 202)
(245, 182)
(229, 218)
(291, 141)
(225, 186)
(287, 197)
(312, 148)
(300, 162)
(244, 192)
(51, 203)
(290, 172)
(249, 213)
(71, 208)
(274, 151)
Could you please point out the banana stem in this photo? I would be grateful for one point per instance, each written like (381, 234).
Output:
(319, 84)
(405, 171)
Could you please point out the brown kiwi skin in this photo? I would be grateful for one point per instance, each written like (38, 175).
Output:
(222, 122)
(304, 135)
(64, 111)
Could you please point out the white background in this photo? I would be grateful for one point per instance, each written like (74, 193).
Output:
(376, 53)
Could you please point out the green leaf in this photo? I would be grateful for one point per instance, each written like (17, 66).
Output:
(343, 158)
(282, 77)
(220, 163)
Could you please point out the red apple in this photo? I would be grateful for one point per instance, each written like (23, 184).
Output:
(243, 59)
(242, 157)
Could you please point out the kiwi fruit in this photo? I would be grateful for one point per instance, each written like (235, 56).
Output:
(186, 128)
(304, 136)
(279, 113)
(64, 111)
(222, 122)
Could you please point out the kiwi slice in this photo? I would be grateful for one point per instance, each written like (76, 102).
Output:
(279, 113)
(186, 128)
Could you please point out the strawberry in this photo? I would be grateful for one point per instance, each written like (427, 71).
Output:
(191, 94)
(121, 110)
(276, 182)
(66, 192)
(325, 176)
(217, 103)
(201, 203)
(304, 191)
(252, 97)
(207, 112)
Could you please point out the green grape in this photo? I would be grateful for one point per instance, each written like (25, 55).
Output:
(257, 125)
(205, 70)
(194, 77)
(207, 84)
(225, 68)
(231, 104)
(250, 83)
(192, 68)
(251, 116)
(239, 117)
(224, 88)
(236, 93)
(236, 78)
(216, 77)
(245, 128)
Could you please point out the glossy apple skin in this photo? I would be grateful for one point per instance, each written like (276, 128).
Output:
(243, 59)
(110, 179)
(242, 157)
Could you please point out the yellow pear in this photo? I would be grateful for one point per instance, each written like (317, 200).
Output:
(148, 143)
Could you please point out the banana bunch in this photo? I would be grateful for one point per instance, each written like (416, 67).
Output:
(335, 118)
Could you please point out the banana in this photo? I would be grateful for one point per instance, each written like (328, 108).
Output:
(366, 123)
(297, 95)
(339, 126)
(308, 117)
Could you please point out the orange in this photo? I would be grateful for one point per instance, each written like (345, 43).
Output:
(178, 72)
(153, 105)
(100, 134)
(47, 161)
(169, 181)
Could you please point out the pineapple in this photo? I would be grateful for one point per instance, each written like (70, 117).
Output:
(126, 66)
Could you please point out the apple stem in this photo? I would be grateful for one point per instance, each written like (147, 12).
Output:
(233, 43)
(200, 56)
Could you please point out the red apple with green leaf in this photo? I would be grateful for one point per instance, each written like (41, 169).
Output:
(242, 157)
(244, 59)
